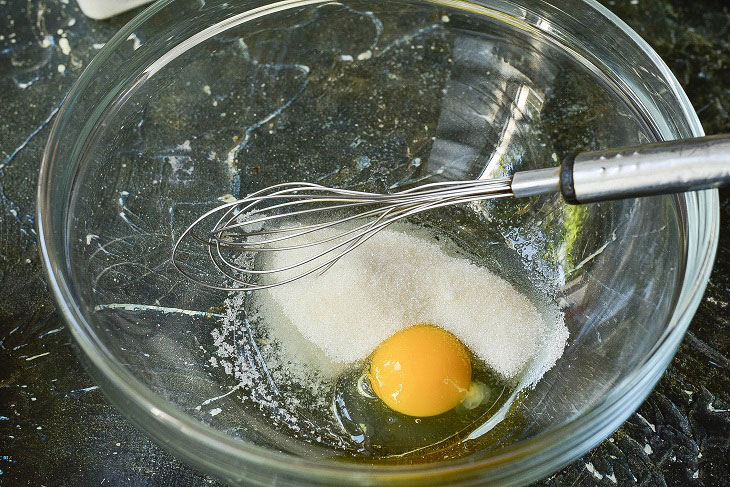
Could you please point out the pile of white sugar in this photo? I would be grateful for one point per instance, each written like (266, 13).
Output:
(395, 280)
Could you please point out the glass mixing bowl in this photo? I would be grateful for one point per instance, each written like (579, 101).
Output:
(194, 102)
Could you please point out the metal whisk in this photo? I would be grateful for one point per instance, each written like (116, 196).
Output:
(278, 218)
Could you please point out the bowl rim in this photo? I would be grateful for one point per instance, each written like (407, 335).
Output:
(177, 431)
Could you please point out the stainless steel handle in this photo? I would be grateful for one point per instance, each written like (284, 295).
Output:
(666, 167)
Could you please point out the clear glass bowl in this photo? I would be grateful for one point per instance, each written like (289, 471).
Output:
(193, 101)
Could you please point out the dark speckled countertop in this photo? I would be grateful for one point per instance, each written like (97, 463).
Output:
(57, 429)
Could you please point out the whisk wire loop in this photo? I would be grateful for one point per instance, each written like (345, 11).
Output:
(279, 217)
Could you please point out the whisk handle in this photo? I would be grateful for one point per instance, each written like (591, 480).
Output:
(666, 167)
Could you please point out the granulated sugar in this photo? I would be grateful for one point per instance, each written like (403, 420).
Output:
(395, 280)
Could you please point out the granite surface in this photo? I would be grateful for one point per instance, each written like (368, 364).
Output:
(57, 429)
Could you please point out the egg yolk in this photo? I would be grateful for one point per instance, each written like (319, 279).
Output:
(421, 371)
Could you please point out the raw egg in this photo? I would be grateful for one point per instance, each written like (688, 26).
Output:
(421, 371)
